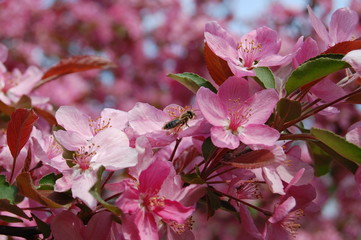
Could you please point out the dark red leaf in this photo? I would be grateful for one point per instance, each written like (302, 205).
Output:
(344, 47)
(217, 67)
(49, 117)
(254, 159)
(4, 108)
(48, 198)
(19, 129)
(73, 65)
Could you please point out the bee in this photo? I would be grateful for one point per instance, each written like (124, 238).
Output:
(180, 121)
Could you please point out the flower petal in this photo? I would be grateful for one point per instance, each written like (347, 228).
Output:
(173, 211)
(224, 138)
(72, 119)
(211, 107)
(233, 92)
(343, 24)
(259, 134)
(221, 42)
(151, 179)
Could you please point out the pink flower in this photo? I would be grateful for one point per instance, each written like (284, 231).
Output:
(149, 121)
(237, 116)
(342, 26)
(96, 144)
(255, 49)
(66, 225)
(150, 200)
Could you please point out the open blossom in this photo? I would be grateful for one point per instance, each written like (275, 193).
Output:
(342, 26)
(154, 197)
(255, 49)
(95, 144)
(149, 121)
(236, 116)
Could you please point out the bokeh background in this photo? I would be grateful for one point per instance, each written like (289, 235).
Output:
(146, 40)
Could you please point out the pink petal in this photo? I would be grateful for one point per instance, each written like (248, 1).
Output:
(224, 138)
(74, 120)
(233, 92)
(259, 134)
(70, 140)
(28, 80)
(173, 211)
(118, 119)
(151, 179)
(144, 118)
(247, 222)
(343, 24)
(211, 107)
(99, 226)
(319, 27)
(308, 50)
(354, 136)
(82, 183)
(261, 106)
(146, 225)
(114, 152)
(270, 43)
(67, 226)
(283, 210)
(272, 179)
(354, 59)
(221, 42)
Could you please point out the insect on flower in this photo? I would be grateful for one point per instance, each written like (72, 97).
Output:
(180, 121)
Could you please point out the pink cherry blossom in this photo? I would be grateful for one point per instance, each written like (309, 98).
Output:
(255, 49)
(96, 143)
(149, 200)
(342, 26)
(236, 116)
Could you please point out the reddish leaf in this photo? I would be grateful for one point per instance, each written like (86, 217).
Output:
(46, 197)
(27, 161)
(8, 110)
(217, 67)
(73, 65)
(7, 207)
(355, 99)
(49, 117)
(254, 159)
(344, 47)
(19, 129)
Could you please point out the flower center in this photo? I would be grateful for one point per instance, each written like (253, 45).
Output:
(249, 52)
(82, 157)
(99, 124)
(290, 222)
(155, 202)
(237, 115)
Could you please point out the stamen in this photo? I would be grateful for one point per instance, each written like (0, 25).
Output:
(181, 228)
(99, 124)
(82, 157)
(289, 223)
(248, 190)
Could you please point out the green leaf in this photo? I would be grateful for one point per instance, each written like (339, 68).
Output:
(95, 191)
(193, 178)
(47, 182)
(314, 69)
(288, 109)
(6, 191)
(321, 159)
(265, 75)
(191, 81)
(208, 148)
(337, 143)
(10, 219)
(213, 202)
(42, 226)
(351, 166)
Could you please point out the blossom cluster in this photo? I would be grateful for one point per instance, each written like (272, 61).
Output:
(243, 146)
